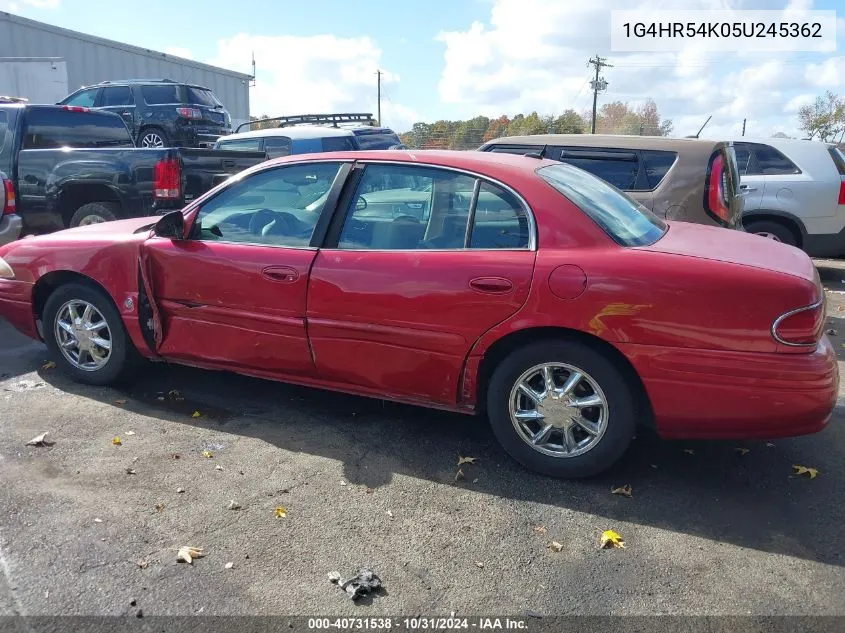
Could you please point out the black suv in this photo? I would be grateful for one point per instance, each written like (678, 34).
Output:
(159, 112)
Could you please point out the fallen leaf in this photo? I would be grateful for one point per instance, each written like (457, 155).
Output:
(207, 454)
(174, 393)
(218, 467)
(116, 441)
(540, 529)
(689, 451)
(610, 539)
(159, 507)
(130, 471)
(196, 414)
(475, 481)
(175, 456)
(281, 512)
(804, 470)
(342, 483)
(769, 445)
(180, 490)
(130, 432)
(48, 365)
(187, 554)
(228, 565)
(465, 460)
(389, 513)
(38, 440)
(742, 451)
(459, 475)
(143, 563)
(234, 505)
(120, 402)
(479, 564)
(369, 491)
(654, 465)
(555, 546)
(625, 491)
(98, 520)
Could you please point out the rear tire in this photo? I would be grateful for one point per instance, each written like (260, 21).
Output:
(95, 213)
(103, 353)
(773, 231)
(595, 443)
(153, 137)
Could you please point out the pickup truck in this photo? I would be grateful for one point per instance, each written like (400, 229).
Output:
(70, 166)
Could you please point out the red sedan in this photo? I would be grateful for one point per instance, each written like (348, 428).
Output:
(464, 281)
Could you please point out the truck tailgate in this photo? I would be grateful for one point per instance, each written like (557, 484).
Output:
(204, 169)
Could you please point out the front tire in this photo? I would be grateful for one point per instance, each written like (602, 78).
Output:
(86, 336)
(773, 231)
(561, 408)
(95, 213)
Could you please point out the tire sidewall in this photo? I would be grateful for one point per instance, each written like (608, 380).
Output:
(119, 358)
(153, 130)
(620, 408)
(784, 234)
(105, 210)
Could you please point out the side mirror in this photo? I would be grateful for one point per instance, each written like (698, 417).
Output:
(170, 225)
(360, 204)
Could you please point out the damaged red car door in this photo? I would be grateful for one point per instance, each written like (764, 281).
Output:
(234, 291)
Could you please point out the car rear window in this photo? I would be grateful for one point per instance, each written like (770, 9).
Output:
(625, 220)
(835, 153)
(757, 159)
(338, 144)
(53, 128)
(657, 164)
(155, 95)
(201, 96)
(377, 139)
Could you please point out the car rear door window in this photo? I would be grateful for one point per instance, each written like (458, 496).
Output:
(657, 164)
(157, 95)
(274, 207)
(116, 96)
(400, 207)
(619, 167)
(772, 162)
(53, 128)
(499, 220)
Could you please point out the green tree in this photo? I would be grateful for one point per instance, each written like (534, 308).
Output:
(824, 118)
(496, 128)
(570, 122)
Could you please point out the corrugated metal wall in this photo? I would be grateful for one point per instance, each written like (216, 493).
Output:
(91, 60)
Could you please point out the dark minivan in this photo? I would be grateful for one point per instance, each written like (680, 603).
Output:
(159, 112)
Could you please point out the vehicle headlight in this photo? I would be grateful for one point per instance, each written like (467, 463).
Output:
(6, 271)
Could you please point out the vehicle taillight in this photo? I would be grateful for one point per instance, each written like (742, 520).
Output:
(716, 190)
(9, 204)
(801, 327)
(167, 179)
(75, 109)
(189, 113)
(842, 192)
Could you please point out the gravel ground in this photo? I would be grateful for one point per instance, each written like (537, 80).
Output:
(89, 527)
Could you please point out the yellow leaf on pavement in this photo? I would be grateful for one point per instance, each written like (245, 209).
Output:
(187, 554)
(625, 491)
(465, 460)
(555, 546)
(540, 529)
(207, 454)
(48, 365)
(804, 470)
(610, 539)
(281, 512)
(116, 441)
(196, 414)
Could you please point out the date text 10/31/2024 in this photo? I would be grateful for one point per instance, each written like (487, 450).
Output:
(418, 624)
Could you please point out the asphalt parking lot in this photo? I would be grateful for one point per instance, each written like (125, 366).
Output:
(91, 527)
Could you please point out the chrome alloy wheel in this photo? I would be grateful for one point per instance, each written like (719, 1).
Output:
(558, 410)
(91, 219)
(83, 335)
(151, 139)
(769, 236)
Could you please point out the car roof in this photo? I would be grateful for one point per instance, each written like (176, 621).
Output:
(781, 142)
(293, 132)
(151, 82)
(604, 140)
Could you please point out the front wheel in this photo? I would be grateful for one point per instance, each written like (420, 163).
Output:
(86, 337)
(95, 213)
(561, 408)
(772, 230)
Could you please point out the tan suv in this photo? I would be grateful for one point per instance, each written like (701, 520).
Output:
(689, 179)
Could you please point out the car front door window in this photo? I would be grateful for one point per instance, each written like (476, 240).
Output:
(83, 99)
(274, 207)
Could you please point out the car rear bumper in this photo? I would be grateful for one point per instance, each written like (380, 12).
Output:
(16, 306)
(729, 395)
(10, 228)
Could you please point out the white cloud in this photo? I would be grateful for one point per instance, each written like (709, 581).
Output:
(532, 54)
(179, 51)
(315, 74)
(18, 5)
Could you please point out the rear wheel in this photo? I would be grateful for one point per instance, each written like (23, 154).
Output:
(95, 213)
(561, 408)
(773, 231)
(86, 337)
(153, 137)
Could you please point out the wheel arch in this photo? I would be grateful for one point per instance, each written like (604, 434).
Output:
(502, 347)
(784, 218)
(74, 195)
(48, 283)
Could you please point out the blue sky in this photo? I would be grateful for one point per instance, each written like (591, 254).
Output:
(455, 59)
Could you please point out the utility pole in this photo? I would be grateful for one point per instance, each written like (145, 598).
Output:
(743, 127)
(378, 74)
(597, 85)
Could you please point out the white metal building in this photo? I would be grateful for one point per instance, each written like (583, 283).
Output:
(30, 50)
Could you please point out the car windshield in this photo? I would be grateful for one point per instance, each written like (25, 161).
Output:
(201, 96)
(624, 219)
(379, 139)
